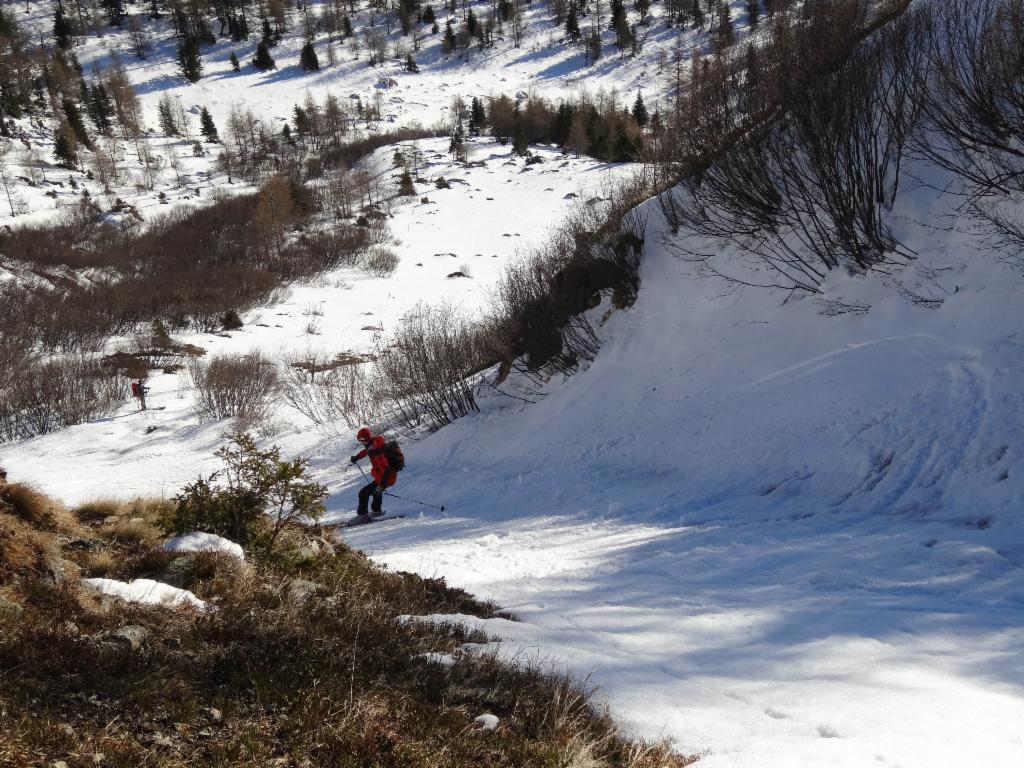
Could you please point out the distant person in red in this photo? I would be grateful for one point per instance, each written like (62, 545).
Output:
(383, 474)
(139, 392)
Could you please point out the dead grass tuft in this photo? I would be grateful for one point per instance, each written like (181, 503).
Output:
(133, 530)
(149, 508)
(99, 564)
(22, 548)
(39, 510)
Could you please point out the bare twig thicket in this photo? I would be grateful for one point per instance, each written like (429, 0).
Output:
(245, 387)
(807, 190)
(334, 396)
(40, 396)
(807, 184)
(422, 375)
(973, 124)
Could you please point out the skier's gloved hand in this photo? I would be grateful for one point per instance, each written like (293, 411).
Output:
(354, 458)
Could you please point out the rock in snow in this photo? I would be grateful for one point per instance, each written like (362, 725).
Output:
(487, 722)
(198, 541)
(145, 591)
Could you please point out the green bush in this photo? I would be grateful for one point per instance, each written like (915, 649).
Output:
(251, 500)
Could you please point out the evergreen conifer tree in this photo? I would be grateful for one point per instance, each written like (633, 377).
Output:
(165, 113)
(572, 25)
(100, 107)
(753, 13)
(449, 37)
(406, 188)
(190, 65)
(640, 111)
(624, 33)
(410, 63)
(308, 58)
(263, 60)
(726, 34)
(75, 122)
(657, 126)
(477, 116)
(618, 14)
(62, 28)
(302, 122)
(594, 45)
(520, 141)
(114, 10)
(625, 148)
(64, 148)
(471, 23)
(234, 62)
(457, 145)
(428, 15)
(206, 125)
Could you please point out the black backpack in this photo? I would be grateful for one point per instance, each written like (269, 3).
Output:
(393, 453)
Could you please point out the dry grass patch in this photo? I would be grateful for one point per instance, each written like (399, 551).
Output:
(134, 530)
(23, 550)
(149, 508)
(305, 661)
(329, 675)
(38, 510)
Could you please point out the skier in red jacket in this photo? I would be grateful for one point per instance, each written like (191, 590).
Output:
(381, 472)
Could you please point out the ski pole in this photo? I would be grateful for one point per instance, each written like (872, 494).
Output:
(415, 501)
(403, 498)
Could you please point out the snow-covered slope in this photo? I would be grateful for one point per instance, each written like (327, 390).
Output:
(789, 538)
(786, 536)
(543, 64)
(783, 535)
(783, 530)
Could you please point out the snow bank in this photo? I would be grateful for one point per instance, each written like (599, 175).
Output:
(200, 541)
(146, 591)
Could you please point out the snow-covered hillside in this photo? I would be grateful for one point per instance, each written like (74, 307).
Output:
(786, 536)
(374, 96)
(781, 530)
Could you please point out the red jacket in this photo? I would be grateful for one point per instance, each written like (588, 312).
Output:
(380, 470)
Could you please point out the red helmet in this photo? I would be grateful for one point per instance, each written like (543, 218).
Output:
(364, 434)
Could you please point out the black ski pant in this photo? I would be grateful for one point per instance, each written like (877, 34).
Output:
(364, 498)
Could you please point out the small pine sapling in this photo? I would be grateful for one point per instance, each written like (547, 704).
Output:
(308, 59)
(207, 127)
(263, 60)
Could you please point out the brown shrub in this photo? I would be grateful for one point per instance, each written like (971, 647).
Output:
(100, 564)
(23, 549)
(37, 396)
(423, 375)
(242, 386)
(380, 261)
(149, 508)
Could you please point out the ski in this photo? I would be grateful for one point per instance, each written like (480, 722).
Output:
(356, 521)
